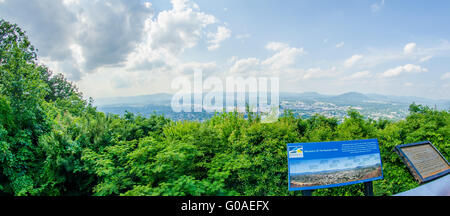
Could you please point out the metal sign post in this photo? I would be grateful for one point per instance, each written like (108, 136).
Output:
(307, 192)
(368, 188)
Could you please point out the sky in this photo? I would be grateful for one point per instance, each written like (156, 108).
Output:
(137, 47)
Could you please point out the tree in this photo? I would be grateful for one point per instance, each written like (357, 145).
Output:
(11, 37)
(58, 86)
(23, 95)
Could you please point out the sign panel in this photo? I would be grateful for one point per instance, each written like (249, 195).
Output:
(423, 160)
(331, 164)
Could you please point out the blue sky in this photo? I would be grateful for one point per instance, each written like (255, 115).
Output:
(120, 48)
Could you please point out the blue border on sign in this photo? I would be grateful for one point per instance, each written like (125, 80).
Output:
(338, 184)
(437, 175)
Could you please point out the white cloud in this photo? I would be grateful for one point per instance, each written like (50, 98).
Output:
(71, 2)
(376, 56)
(377, 6)
(425, 58)
(408, 68)
(147, 4)
(178, 28)
(352, 60)
(217, 38)
(188, 68)
(106, 31)
(284, 57)
(408, 84)
(358, 75)
(446, 76)
(276, 46)
(169, 34)
(278, 64)
(149, 62)
(243, 66)
(339, 45)
(409, 48)
(80, 36)
(317, 73)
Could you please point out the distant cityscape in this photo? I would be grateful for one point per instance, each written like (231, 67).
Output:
(332, 110)
(305, 105)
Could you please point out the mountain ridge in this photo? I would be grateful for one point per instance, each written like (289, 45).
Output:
(159, 98)
(305, 105)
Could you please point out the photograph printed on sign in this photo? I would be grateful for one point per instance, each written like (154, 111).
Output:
(331, 164)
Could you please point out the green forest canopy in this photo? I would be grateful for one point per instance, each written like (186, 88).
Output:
(52, 142)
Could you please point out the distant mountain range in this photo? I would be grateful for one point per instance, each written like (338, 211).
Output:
(304, 104)
(157, 99)
(355, 98)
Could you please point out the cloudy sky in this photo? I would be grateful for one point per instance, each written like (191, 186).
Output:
(134, 47)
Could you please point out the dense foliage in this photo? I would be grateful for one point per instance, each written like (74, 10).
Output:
(52, 142)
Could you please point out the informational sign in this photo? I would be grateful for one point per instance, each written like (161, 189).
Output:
(331, 164)
(423, 160)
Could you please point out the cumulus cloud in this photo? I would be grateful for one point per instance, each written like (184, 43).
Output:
(425, 58)
(108, 31)
(317, 73)
(409, 48)
(243, 66)
(358, 75)
(283, 58)
(45, 23)
(168, 35)
(285, 55)
(408, 68)
(376, 56)
(101, 32)
(280, 63)
(79, 37)
(352, 60)
(276, 46)
(179, 28)
(216, 38)
(206, 68)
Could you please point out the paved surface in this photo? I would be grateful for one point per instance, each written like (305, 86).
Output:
(438, 187)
